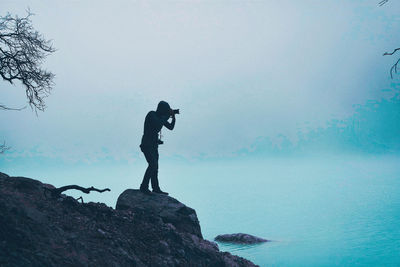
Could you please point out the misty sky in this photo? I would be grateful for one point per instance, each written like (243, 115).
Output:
(237, 70)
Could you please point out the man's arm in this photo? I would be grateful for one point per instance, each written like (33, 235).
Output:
(170, 125)
(158, 122)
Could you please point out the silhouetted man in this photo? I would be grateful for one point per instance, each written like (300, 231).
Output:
(153, 123)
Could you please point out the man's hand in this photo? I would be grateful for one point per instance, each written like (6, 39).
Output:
(172, 113)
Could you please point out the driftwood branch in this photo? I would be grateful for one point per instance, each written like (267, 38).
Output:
(56, 192)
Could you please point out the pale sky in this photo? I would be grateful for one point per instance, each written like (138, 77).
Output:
(237, 70)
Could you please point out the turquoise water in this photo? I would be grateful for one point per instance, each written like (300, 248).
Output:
(318, 211)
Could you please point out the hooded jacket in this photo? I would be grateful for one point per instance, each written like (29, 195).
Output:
(153, 123)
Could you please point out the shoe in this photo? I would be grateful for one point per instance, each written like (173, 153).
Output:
(158, 191)
(145, 191)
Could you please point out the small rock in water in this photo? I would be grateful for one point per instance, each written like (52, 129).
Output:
(240, 238)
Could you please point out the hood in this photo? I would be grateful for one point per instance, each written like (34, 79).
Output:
(163, 108)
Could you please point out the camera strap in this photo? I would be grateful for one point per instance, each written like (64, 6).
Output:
(160, 135)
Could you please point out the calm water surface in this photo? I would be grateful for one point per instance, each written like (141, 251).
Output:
(320, 211)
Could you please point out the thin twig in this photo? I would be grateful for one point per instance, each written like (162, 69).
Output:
(3, 107)
(389, 54)
(381, 3)
(394, 67)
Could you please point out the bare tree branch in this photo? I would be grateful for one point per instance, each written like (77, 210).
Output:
(22, 52)
(395, 65)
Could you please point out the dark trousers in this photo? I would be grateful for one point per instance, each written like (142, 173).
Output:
(151, 155)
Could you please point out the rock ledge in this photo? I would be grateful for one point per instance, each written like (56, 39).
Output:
(40, 231)
(170, 210)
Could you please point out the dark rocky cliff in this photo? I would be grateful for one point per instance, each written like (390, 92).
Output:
(143, 231)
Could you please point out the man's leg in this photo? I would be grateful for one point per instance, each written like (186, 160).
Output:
(151, 170)
(154, 177)
(151, 155)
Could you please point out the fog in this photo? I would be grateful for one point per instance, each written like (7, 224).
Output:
(246, 75)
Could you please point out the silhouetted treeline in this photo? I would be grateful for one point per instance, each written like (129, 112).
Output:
(374, 128)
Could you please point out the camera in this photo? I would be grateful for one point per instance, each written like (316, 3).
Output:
(175, 111)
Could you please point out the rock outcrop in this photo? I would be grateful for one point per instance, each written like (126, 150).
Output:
(240, 238)
(39, 231)
(170, 210)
